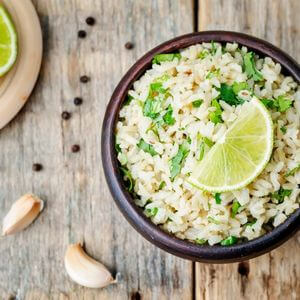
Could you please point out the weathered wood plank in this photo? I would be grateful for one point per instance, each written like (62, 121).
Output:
(275, 275)
(79, 206)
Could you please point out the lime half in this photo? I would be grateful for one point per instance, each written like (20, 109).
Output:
(8, 42)
(241, 154)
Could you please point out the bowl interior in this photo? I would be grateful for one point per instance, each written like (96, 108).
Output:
(134, 214)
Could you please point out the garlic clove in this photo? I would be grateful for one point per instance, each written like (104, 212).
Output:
(84, 270)
(22, 213)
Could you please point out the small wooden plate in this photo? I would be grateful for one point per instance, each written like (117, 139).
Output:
(17, 84)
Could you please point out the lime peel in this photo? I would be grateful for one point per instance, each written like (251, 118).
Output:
(241, 155)
(8, 42)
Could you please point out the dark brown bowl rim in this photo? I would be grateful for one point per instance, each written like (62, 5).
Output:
(134, 214)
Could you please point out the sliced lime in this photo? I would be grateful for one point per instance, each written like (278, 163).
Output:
(8, 42)
(241, 154)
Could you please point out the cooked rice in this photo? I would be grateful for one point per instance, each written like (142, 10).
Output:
(178, 207)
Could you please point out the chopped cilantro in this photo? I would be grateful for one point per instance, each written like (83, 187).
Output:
(228, 95)
(122, 159)
(239, 86)
(213, 48)
(151, 212)
(189, 140)
(128, 178)
(212, 74)
(281, 194)
(231, 240)
(200, 241)
(268, 103)
(118, 148)
(292, 171)
(162, 78)
(146, 147)
(157, 87)
(250, 68)
(218, 198)
(203, 141)
(177, 160)
(235, 207)
(153, 104)
(203, 54)
(201, 151)
(208, 141)
(283, 129)
(168, 118)
(159, 58)
(250, 223)
(127, 100)
(162, 185)
(283, 104)
(197, 103)
(216, 116)
(212, 220)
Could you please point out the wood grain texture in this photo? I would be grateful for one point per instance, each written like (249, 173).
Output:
(79, 206)
(275, 275)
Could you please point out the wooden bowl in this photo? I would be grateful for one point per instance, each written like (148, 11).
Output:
(134, 214)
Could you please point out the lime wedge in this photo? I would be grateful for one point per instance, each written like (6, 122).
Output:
(8, 42)
(241, 154)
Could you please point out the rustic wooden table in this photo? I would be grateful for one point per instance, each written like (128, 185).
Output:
(79, 206)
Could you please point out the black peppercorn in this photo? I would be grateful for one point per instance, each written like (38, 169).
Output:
(75, 148)
(37, 167)
(129, 45)
(66, 115)
(84, 79)
(81, 34)
(90, 21)
(77, 101)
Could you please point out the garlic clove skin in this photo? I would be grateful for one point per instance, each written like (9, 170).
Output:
(84, 270)
(22, 213)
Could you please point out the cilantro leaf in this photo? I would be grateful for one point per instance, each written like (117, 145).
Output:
(177, 160)
(197, 103)
(281, 194)
(283, 104)
(212, 74)
(208, 141)
(168, 117)
(218, 198)
(118, 148)
(201, 151)
(128, 178)
(127, 100)
(200, 241)
(159, 58)
(153, 104)
(162, 185)
(283, 129)
(216, 116)
(250, 223)
(250, 68)
(146, 147)
(203, 54)
(228, 95)
(268, 103)
(151, 212)
(231, 240)
(239, 86)
(235, 207)
(213, 220)
(213, 48)
(292, 171)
